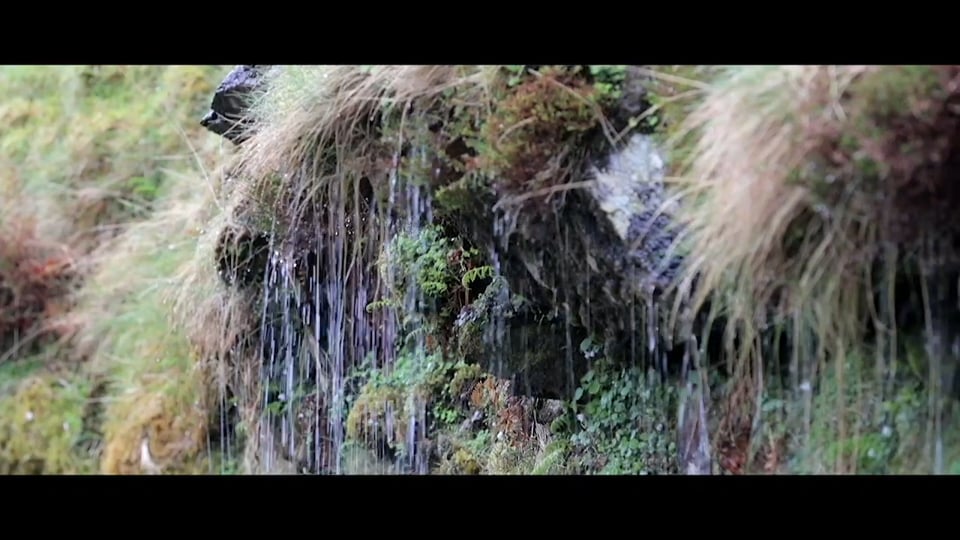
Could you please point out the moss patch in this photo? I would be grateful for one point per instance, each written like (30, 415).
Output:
(42, 428)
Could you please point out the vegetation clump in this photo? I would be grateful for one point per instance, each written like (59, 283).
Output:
(377, 417)
(625, 424)
(89, 150)
(803, 217)
(525, 140)
(44, 429)
(395, 269)
(35, 282)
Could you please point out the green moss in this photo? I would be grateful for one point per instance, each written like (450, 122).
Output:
(608, 82)
(470, 332)
(465, 454)
(388, 398)
(891, 90)
(13, 372)
(532, 124)
(377, 407)
(466, 197)
(42, 428)
(465, 462)
(464, 376)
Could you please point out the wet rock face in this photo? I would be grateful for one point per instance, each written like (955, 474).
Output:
(231, 101)
(597, 267)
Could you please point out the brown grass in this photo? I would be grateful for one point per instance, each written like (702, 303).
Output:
(795, 174)
(36, 277)
(311, 108)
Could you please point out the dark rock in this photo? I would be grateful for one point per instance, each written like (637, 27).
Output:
(230, 103)
(473, 423)
(633, 101)
(596, 265)
(550, 411)
(241, 256)
(512, 340)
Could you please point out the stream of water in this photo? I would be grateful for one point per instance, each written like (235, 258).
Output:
(317, 330)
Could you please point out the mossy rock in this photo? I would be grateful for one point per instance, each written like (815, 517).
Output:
(462, 462)
(377, 417)
(159, 436)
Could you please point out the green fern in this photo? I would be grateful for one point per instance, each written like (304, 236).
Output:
(480, 272)
(552, 456)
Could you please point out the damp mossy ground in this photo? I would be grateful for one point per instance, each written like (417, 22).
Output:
(90, 153)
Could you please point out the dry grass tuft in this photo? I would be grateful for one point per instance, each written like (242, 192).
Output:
(809, 191)
(305, 108)
(757, 127)
(160, 396)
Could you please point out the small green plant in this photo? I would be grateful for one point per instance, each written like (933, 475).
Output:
(626, 424)
(515, 75)
(590, 347)
(440, 267)
(145, 187)
(424, 260)
(389, 397)
(608, 81)
(477, 273)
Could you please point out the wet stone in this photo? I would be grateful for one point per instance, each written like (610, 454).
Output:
(230, 103)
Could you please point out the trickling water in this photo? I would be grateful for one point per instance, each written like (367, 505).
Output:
(316, 329)
(281, 373)
(410, 211)
(335, 284)
(495, 333)
(940, 336)
(565, 285)
(652, 332)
